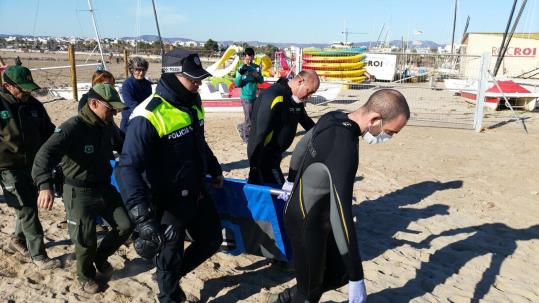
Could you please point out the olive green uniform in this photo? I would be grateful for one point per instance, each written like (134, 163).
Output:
(24, 127)
(84, 146)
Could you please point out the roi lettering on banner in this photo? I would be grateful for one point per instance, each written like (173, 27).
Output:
(516, 52)
(381, 66)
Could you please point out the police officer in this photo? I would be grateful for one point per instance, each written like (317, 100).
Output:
(275, 118)
(161, 175)
(84, 144)
(24, 126)
(318, 217)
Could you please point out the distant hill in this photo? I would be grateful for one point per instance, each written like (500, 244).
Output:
(398, 43)
(152, 38)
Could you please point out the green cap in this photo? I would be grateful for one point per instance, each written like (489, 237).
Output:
(107, 93)
(21, 76)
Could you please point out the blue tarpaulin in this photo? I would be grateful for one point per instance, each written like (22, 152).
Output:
(251, 217)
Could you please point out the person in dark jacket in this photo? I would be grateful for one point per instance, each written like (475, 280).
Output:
(318, 216)
(84, 144)
(135, 89)
(161, 175)
(275, 118)
(24, 127)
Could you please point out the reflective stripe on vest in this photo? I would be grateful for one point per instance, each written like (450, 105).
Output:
(164, 117)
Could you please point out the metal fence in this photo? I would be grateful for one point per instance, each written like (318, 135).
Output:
(433, 85)
(440, 88)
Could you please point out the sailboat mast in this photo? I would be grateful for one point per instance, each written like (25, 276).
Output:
(454, 25)
(97, 34)
(502, 52)
(158, 30)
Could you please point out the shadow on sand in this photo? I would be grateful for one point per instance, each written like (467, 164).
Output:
(255, 277)
(496, 239)
(381, 219)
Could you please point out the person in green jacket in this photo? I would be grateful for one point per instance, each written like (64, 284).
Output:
(24, 127)
(247, 77)
(84, 144)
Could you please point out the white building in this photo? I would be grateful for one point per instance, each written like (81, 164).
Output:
(522, 55)
(190, 43)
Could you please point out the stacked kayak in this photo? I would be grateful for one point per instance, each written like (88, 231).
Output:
(336, 64)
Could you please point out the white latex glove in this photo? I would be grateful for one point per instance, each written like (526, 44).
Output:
(357, 293)
(287, 188)
(284, 196)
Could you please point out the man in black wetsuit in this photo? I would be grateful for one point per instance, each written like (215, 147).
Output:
(318, 216)
(275, 119)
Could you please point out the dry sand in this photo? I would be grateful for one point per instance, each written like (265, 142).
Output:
(444, 215)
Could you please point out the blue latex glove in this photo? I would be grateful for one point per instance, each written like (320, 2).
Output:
(357, 293)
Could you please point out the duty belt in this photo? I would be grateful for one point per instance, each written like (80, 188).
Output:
(88, 184)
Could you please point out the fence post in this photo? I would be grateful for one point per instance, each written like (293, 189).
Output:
(1, 71)
(126, 63)
(299, 60)
(73, 71)
(481, 88)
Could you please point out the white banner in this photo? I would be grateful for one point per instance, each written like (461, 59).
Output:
(381, 66)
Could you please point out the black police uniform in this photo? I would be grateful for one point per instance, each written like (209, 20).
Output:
(161, 176)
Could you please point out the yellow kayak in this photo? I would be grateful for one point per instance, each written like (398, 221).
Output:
(341, 73)
(351, 79)
(333, 66)
(333, 59)
(357, 79)
(333, 51)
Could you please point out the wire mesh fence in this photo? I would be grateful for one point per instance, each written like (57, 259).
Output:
(440, 88)
(432, 84)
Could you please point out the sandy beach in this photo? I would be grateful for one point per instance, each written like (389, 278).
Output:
(444, 214)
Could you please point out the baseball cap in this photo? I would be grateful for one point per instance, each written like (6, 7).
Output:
(107, 93)
(21, 76)
(184, 62)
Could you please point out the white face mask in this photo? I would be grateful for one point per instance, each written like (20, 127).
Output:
(296, 98)
(380, 138)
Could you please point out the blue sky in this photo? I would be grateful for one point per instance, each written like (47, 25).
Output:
(272, 21)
